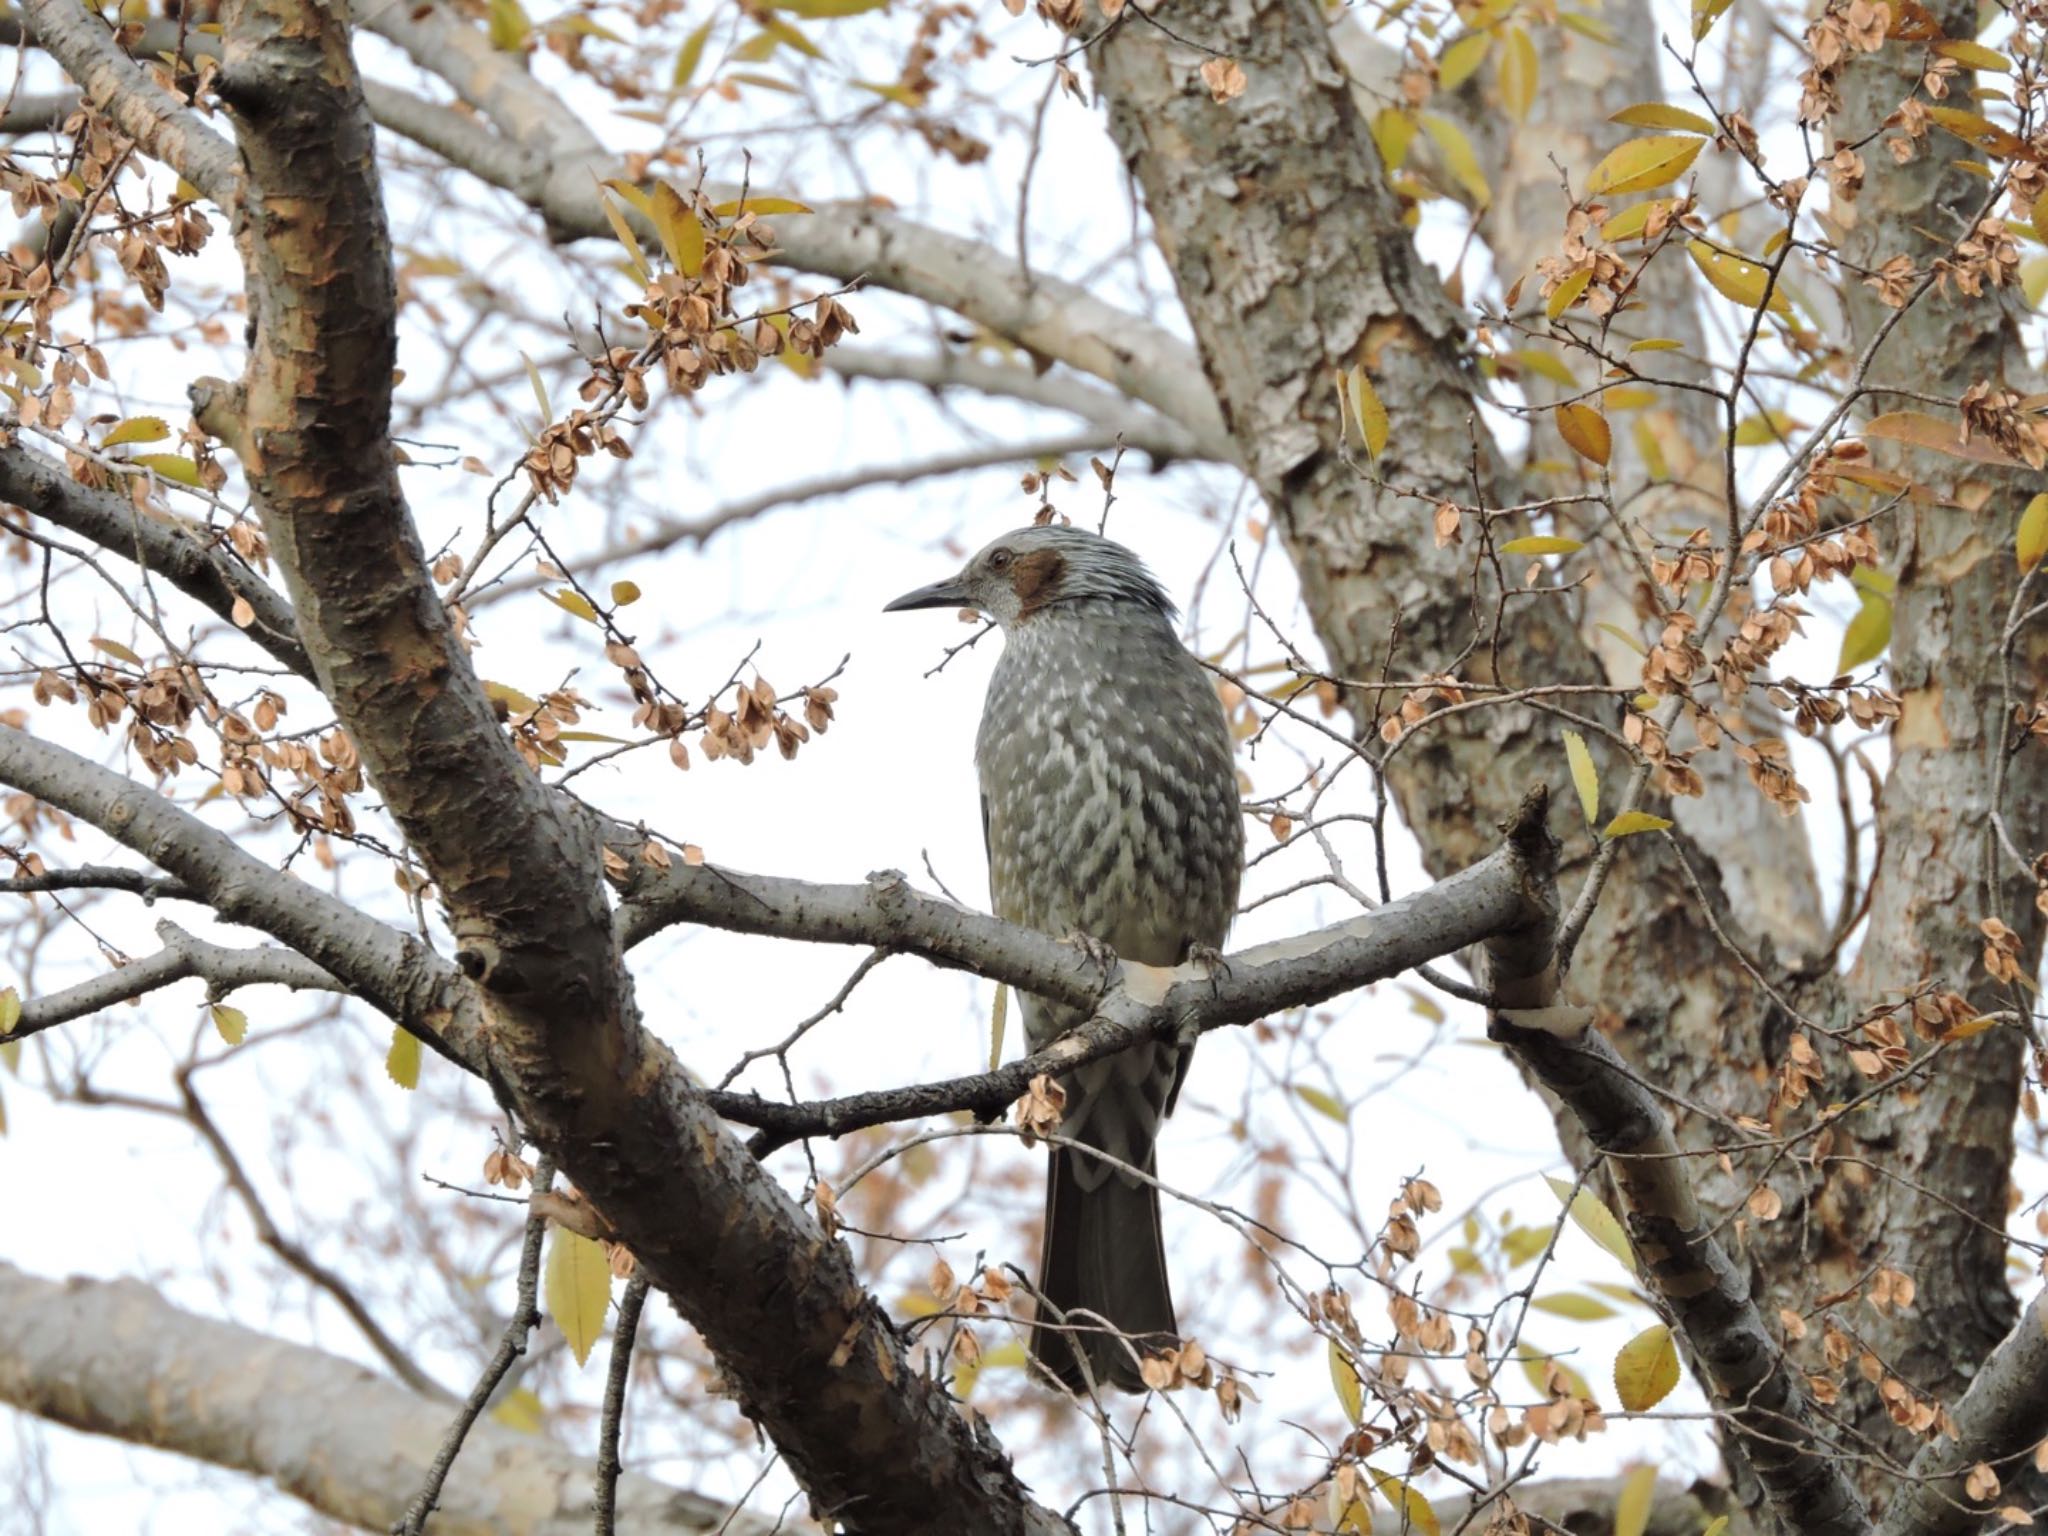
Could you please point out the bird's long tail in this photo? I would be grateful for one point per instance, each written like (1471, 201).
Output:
(1104, 1266)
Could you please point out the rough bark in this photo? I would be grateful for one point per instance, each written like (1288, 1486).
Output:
(114, 1358)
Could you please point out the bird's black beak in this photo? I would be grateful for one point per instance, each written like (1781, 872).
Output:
(950, 593)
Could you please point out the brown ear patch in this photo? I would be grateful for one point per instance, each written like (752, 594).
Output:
(1036, 579)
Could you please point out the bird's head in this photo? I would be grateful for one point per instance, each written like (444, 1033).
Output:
(1047, 569)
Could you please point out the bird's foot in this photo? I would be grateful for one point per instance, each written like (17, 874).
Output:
(1211, 961)
(1104, 958)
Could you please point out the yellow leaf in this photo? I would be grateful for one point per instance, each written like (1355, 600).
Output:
(1646, 1369)
(1629, 397)
(116, 649)
(1541, 544)
(1624, 637)
(2030, 544)
(624, 592)
(510, 25)
(1633, 222)
(1716, 1526)
(402, 1062)
(1566, 293)
(1322, 1103)
(1518, 72)
(1980, 131)
(998, 1021)
(1586, 432)
(762, 206)
(624, 231)
(1974, 55)
(1588, 26)
(1657, 114)
(792, 37)
(1593, 1218)
(1344, 1377)
(232, 1023)
(1585, 779)
(682, 236)
(1632, 1504)
(1007, 1356)
(1414, 1508)
(826, 10)
(519, 1410)
(1764, 429)
(1545, 364)
(1656, 344)
(1734, 277)
(1641, 164)
(1580, 1309)
(1920, 430)
(10, 1056)
(511, 698)
(137, 429)
(574, 602)
(10, 1010)
(1868, 634)
(2034, 270)
(540, 390)
(1704, 14)
(1368, 413)
(1635, 821)
(1393, 131)
(1460, 159)
(169, 466)
(579, 1287)
(689, 56)
(1460, 60)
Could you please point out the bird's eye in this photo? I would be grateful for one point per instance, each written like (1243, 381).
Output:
(999, 559)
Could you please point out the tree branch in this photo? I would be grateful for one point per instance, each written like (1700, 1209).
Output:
(1701, 1290)
(182, 956)
(180, 552)
(124, 91)
(114, 1358)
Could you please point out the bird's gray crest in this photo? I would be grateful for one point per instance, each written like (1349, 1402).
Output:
(1030, 570)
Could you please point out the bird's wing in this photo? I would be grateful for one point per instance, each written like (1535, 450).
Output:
(986, 850)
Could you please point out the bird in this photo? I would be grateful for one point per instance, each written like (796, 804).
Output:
(1109, 807)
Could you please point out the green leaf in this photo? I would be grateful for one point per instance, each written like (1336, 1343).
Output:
(1344, 1377)
(1586, 780)
(1580, 1309)
(1592, 1217)
(137, 429)
(1868, 635)
(1541, 544)
(1646, 1369)
(1635, 821)
(402, 1062)
(2031, 541)
(579, 1288)
(1642, 164)
(1322, 1103)
(1632, 1504)
(689, 56)
(232, 1023)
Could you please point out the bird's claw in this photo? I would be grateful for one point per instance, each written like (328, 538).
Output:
(1104, 958)
(1211, 960)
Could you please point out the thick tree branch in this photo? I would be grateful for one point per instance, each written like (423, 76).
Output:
(164, 126)
(114, 1358)
(1999, 1422)
(1702, 1291)
(182, 553)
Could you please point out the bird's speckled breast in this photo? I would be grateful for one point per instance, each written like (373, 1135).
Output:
(1106, 764)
